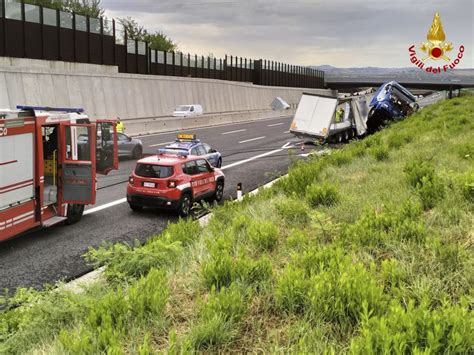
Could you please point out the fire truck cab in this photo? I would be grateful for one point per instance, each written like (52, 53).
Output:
(49, 158)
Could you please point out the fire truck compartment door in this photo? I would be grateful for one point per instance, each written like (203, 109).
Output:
(78, 183)
(16, 169)
(78, 163)
(107, 146)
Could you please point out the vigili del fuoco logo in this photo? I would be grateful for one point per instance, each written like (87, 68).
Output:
(436, 49)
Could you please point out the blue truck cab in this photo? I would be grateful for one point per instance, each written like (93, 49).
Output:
(390, 102)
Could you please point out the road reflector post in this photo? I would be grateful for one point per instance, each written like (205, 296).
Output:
(239, 192)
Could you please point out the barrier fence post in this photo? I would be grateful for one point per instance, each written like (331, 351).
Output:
(196, 65)
(136, 56)
(241, 70)
(102, 40)
(173, 61)
(115, 41)
(125, 38)
(42, 30)
(74, 35)
(23, 28)
(189, 65)
(4, 35)
(58, 26)
(148, 58)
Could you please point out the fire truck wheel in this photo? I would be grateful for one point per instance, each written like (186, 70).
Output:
(137, 152)
(185, 204)
(74, 213)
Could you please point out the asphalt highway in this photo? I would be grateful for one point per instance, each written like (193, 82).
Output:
(253, 153)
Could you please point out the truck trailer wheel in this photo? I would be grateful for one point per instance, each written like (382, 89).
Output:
(347, 136)
(74, 213)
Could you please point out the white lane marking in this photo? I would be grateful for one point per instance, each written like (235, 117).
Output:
(252, 158)
(287, 145)
(239, 130)
(275, 124)
(211, 127)
(123, 200)
(251, 140)
(286, 132)
(107, 205)
(158, 144)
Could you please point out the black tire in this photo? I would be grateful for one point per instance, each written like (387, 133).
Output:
(219, 192)
(185, 204)
(137, 152)
(135, 208)
(339, 138)
(219, 163)
(74, 213)
(347, 136)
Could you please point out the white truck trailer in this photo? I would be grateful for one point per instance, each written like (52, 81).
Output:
(330, 119)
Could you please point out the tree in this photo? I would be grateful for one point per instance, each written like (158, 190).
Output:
(157, 40)
(92, 8)
(160, 42)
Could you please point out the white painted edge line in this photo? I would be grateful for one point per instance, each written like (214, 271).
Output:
(251, 140)
(252, 158)
(275, 124)
(107, 205)
(158, 144)
(236, 131)
(210, 127)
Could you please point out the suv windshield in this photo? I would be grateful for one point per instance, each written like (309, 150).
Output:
(153, 171)
(183, 108)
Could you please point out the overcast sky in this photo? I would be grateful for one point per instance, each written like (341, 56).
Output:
(343, 33)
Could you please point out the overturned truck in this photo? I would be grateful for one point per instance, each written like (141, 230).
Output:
(335, 120)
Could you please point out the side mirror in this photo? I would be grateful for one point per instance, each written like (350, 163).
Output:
(212, 150)
(129, 139)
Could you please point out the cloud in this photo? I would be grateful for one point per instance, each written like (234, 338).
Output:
(341, 32)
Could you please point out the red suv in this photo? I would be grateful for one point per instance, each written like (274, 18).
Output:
(174, 182)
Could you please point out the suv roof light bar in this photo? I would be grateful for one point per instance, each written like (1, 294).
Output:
(180, 154)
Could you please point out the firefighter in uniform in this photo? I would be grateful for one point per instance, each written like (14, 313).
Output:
(120, 126)
(339, 115)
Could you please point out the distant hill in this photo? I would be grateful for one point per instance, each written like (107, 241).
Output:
(393, 73)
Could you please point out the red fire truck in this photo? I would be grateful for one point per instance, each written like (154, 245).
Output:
(49, 158)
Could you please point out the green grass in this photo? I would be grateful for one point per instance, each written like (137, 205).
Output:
(367, 250)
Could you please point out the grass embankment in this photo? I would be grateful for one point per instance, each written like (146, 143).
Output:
(367, 250)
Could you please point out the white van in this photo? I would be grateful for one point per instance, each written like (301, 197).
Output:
(188, 110)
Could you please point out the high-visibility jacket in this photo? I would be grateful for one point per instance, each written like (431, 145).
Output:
(120, 127)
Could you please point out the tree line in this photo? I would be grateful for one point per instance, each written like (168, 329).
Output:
(156, 40)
